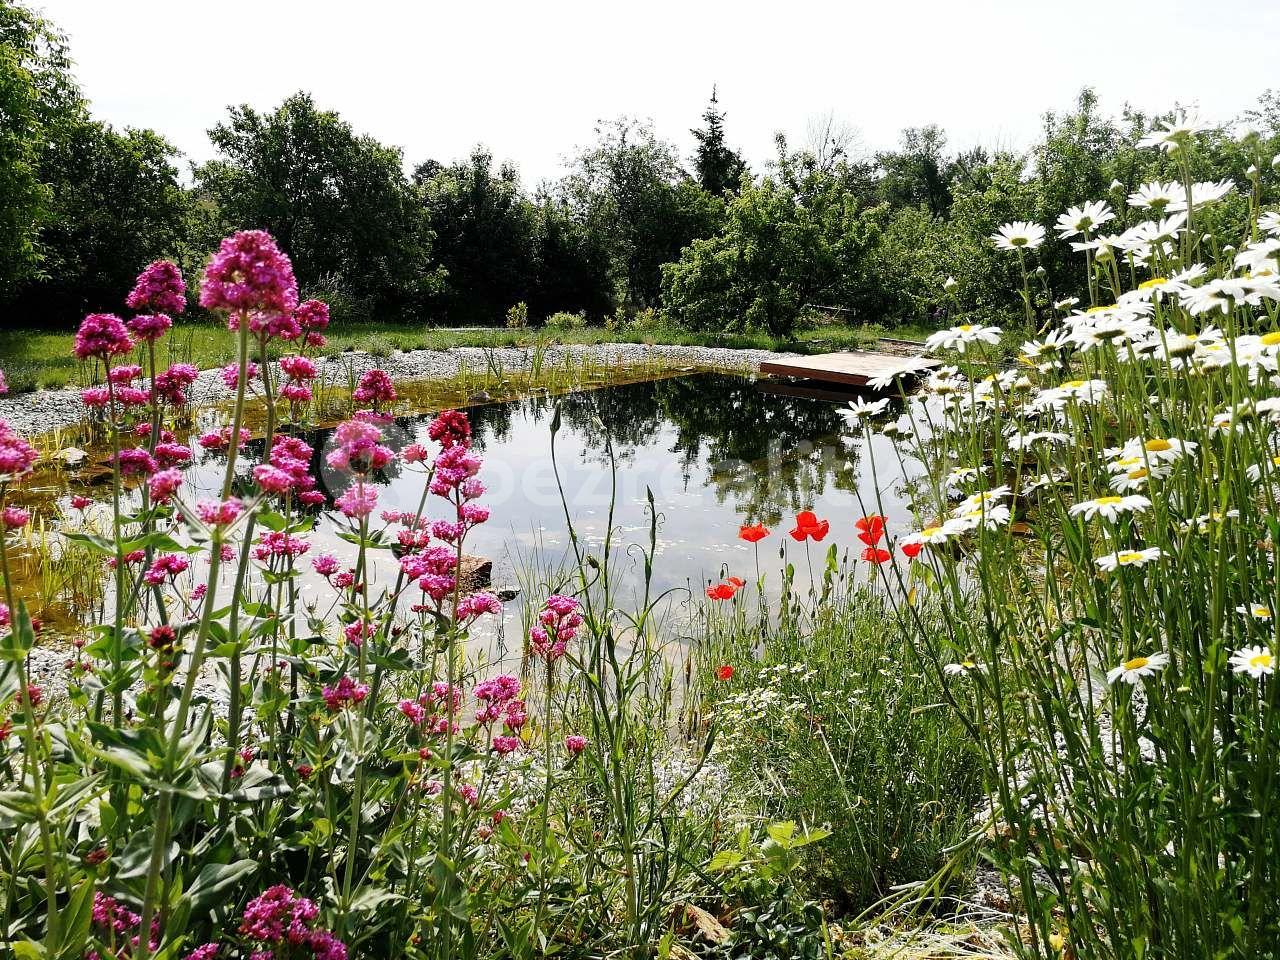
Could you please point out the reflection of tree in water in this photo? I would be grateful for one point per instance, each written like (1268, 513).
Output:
(771, 455)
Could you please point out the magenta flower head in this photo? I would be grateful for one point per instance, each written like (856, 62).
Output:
(16, 455)
(101, 335)
(358, 448)
(150, 327)
(558, 623)
(575, 743)
(249, 274)
(358, 502)
(450, 428)
(376, 388)
(159, 289)
(477, 604)
(312, 315)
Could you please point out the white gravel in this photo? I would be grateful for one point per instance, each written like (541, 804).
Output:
(45, 410)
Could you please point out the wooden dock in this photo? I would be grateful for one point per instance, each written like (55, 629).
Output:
(852, 368)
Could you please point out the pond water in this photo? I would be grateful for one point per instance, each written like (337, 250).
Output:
(716, 450)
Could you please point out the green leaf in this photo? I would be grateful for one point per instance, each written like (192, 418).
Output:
(215, 880)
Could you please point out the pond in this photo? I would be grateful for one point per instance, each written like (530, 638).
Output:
(716, 450)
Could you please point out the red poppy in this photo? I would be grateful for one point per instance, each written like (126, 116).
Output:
(912, 549)
(871, 529)
(724, 673)
(737, 582)
(876, 554)
(753, 532)
(721, 591)
(808, 526)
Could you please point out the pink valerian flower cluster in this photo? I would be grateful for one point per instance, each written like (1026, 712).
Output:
(436, 710)
(575, 743)
(313, 317)
(268, 325)
(216, 513)
(136, 462)
(358, 448)
(170, 454)
(150, 327)
(118, 922)
(500, 701)
(289, 471)
(101, 336)
(171, 385)
(375, 388)
(300, 371)
(435, 569)
(231, 374)
(16, 455)
(15, 518)
(206, 951)
(450, 428)
(558, 623)
(325, 564)
(277, 543)
(163, 485)
(475, 605)
(278, 917)
(159, 289)
(357, 502)
(164, 567)
(249, 274)
(218, 440)
(345, 692)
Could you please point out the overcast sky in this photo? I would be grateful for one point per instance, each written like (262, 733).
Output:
(530, 79)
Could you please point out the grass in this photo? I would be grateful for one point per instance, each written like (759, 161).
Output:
(39, 359)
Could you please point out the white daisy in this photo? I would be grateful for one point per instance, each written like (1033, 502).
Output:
(1255, 661)
(958, 338)
(1156, 195)
(960, 668)
(1133, 670)
(1129, 558)
(1110, 508)
(1259, 257)
(862, 410)
(1084, 218)
(1020, 234)
(1203, 194)
(1270, 222)
(1259, 611)
(1170, 135)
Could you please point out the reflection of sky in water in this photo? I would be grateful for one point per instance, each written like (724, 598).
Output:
(717, 451)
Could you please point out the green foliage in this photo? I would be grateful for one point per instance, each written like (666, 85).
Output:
(780, 252)
(829, 721)
(566, 321)
(339, 202)
(518, 316)
(717, 168)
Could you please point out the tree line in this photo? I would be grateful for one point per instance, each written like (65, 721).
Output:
(631, 233)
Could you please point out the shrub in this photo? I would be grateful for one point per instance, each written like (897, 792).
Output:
(518, 316)
(564, 320)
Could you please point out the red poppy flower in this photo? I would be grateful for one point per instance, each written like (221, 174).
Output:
(737, 582)
(753, 532)
(721, 591)
(808, 526)
(912, 549)
(876, 554)
(724, 673)
(871, 529)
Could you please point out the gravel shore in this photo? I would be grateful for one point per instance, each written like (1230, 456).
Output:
(46, 410)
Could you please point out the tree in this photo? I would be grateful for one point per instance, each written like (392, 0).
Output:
(918, 174)
(37, 97)
(484, 230)
(630, 192)
(779, 252)
(572, 264)
(115, 205)
(717, 168)
(337, 202)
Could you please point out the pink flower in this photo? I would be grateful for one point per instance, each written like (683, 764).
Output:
(477, 604)
(358, 448)
(558, 623)
(135, 461)
(358, 501)
(14, 518)
(247, 274)
(415, 712)
(296, 393)
(16, 455)
(375, 387)
(218, 514)
(205, 951)
(346, 691)
(312, 315)
(272, 479)
(171, 454)
(81, 503)
(150, 327)
(575, 743)
(280, 544)
(4, 384)
(450, 428)
(325, 564)
(159, 288)
(95, 398)
(502, 745)
(171, 384)
(414, 453)
(231, 374)
(298, 368)
(164, 484)
(101, 335)
(125, 374)
(165, 566)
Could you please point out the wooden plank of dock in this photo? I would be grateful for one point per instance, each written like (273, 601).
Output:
(853, 367)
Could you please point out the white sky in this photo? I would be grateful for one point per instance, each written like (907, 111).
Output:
(529, 79)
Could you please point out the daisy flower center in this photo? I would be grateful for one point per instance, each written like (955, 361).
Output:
(1108, 501)
(1261, 660)
(1270, 339)
(1130, 556)
(1158, 446)
(1137, 663)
